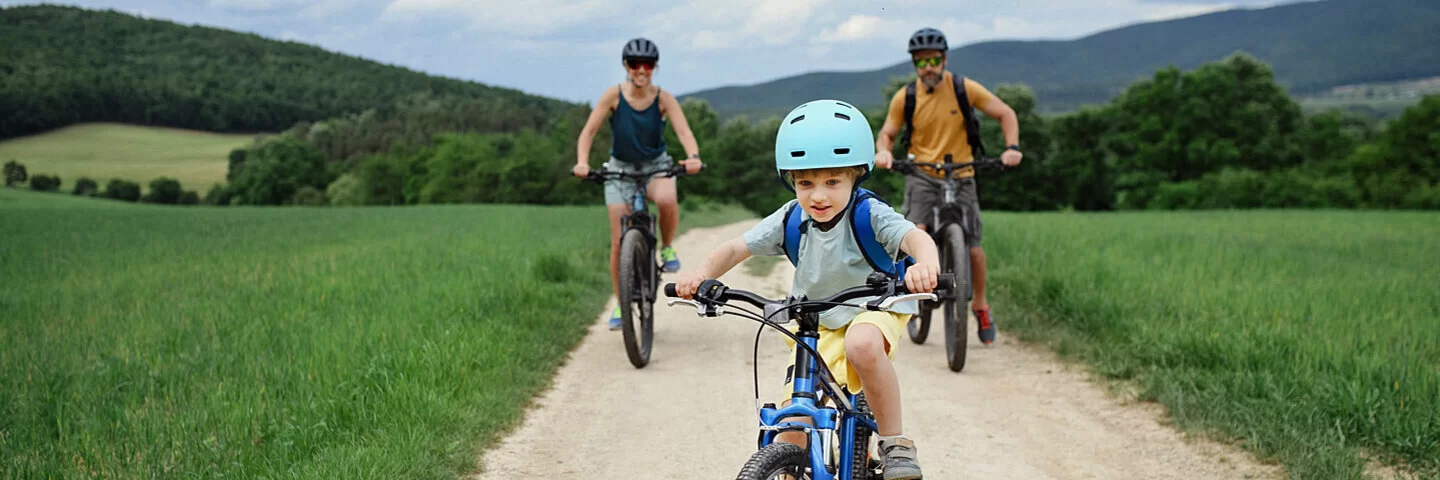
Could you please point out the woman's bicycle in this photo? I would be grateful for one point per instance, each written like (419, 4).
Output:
(639, 262)
(839, 436)
(947, 221)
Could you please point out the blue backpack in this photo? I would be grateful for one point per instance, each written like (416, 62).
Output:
(864, 232)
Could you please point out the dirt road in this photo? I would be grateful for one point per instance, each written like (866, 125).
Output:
(1015, 412)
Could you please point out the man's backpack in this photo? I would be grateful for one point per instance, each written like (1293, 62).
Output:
(972, 122)
(873, 250)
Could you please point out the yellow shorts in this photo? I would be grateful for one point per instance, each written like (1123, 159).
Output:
(832, 348)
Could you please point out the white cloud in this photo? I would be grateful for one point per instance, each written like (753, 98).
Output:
(1014, 27)
(521, 18)
(860, 27)
(301, 8)
(1181, 10)
(708, 25)
(779, 20)
(711, 40)
(258, 5)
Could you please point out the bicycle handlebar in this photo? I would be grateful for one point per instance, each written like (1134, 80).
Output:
(599, 176)
(947, 167)
(889, 290)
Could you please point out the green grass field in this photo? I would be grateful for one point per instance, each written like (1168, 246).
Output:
(143, 341)
(1310, 337)
(103, 151)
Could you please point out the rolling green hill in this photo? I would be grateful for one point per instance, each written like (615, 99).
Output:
(65, 65)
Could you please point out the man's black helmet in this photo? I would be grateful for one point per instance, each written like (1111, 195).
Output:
(640, 48)
(928, 39)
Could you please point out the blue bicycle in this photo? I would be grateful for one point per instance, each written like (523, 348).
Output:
(842, 432)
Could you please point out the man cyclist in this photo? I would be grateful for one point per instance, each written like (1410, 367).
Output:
(938, 128)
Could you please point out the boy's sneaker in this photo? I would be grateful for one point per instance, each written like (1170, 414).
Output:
(986, 327)
(899, 459)
(672, 263)
(615, 318)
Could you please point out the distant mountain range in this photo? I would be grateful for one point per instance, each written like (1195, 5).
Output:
(1312, 47)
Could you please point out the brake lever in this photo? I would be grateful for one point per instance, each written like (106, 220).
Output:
(885, 305)
(701, 310)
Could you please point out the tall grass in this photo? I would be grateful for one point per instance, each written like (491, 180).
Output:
(1309, 337)
(146, 341)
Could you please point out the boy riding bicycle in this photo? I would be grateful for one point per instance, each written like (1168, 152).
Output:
(823, 151)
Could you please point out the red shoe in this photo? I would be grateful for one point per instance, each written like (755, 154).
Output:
(987, 327)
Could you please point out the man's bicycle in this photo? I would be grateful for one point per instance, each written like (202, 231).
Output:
(947, 227)
(639, 262)
(839, 435)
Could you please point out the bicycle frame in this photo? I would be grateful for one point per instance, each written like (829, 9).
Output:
(949, 190)
(639, 217)
(804, 402)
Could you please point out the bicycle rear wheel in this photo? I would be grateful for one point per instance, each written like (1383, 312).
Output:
(637, 287)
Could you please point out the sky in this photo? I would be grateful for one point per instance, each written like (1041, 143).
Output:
(570, 49)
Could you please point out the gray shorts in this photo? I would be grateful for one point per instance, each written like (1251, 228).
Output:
(921, 197)
(620, 191)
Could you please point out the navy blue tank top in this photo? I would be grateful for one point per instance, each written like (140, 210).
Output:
(638, 136)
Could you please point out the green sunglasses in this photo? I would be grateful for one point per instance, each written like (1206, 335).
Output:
(927, 62)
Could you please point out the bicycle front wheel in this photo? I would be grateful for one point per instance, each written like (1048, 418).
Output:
(919, 324)
(955, 258)
(637, 312)
(777, 461)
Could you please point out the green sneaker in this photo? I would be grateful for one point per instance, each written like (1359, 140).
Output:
(672, 264)
(615, 318)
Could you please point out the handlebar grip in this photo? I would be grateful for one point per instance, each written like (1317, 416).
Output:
(945, 282)
(679, 171)
(670, 290)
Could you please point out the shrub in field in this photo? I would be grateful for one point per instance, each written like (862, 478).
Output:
(122, 190)
(165, 191)
(86, 187)
(14, 173)
(44, 183)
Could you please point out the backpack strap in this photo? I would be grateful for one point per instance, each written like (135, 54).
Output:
(793, 230)
(909, 115)
(972, 123)
(860, 225)
(874, 251)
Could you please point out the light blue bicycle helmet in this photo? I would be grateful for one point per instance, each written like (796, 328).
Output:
(824, 134)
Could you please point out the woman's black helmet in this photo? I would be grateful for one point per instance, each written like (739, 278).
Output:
(640, 48)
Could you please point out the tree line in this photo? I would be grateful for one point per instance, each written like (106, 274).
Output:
(1223, 135)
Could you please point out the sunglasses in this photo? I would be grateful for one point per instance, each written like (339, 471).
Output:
(929, 62)
(639, 64)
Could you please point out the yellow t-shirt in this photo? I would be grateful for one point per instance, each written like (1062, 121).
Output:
(939, 125)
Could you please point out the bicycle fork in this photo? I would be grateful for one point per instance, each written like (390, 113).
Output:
(822, 434)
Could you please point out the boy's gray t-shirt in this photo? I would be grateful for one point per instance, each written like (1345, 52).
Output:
(832, 261)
